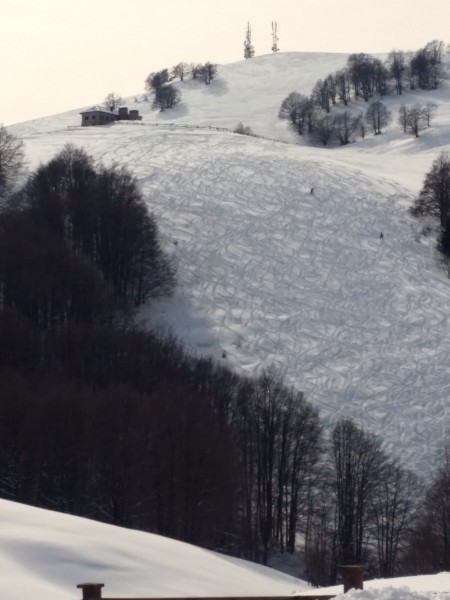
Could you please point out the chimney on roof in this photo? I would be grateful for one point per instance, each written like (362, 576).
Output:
(91, 591)
(352, 577)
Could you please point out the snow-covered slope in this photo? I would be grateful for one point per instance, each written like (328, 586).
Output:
(46, 555)
(270, 273)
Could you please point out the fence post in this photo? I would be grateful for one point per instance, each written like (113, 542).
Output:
(352, 577)
(91, 591)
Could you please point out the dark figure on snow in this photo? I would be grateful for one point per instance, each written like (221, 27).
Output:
(312, 191)
(381, 236)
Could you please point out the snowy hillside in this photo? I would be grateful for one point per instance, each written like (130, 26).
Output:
(269, 273)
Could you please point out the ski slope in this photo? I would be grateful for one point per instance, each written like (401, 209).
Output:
(271, 274)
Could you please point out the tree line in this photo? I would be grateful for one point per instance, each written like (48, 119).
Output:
(103, 420)
(433, 202)
(321, 115)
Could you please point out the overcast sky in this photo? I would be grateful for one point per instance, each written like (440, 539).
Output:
(58, 55)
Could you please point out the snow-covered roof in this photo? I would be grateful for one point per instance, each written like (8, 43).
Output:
(99, 109)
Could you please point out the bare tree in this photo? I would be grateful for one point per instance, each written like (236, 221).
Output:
(166, 96)
(290, 107)
(434, 198)
(332, 88)
(242, 129)
(409, 70)
(429, 110)
(344, 126)
(180, 70)
(195, 70)
(320, 533)
(361, 125)
(113, 101)
(396, 66)
(12, 158)
(393, 508)
(380, 76)
(300, 110)
(361, 71)
(343, 86)
(435, 50)
(358, 465)
(429, 549)
(279, 438)
(416, 120)
(377, 116)
(403, 117)
(308, 114)
(155, 80)
(208, 71)
(324, 128)
(321, 95)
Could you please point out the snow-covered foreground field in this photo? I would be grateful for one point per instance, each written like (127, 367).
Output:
(270, 273)
(46, 555)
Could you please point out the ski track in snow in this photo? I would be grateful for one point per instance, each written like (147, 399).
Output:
(271, 274)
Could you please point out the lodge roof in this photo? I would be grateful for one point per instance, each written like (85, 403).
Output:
(101, 109)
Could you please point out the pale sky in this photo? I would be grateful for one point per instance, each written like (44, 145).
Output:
(59, 55)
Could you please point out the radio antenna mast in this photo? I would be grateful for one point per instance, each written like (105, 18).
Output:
(274, 37)
(249, 51)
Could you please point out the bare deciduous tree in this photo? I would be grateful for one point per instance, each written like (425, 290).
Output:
(403, 117)
(393, 507)
(416, 120)
(429, 549)
(324, 127)
(434, 198)
(396, 66)
(377, 116)
(358, 463)
(344, 126)
(12, 158)
(180, 70)
(290, 107)
(155, 80)
(429, 110)
(166, 96)
(113, 101)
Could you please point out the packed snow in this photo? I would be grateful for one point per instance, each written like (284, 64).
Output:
(270, 273)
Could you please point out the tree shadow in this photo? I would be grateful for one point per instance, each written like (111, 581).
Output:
(217, 87)
(178, 111)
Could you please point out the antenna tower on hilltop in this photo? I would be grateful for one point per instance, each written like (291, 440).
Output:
(274, 37)
(249, 51)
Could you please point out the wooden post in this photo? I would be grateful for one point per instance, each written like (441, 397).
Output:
(352, 577)
(91, 591)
